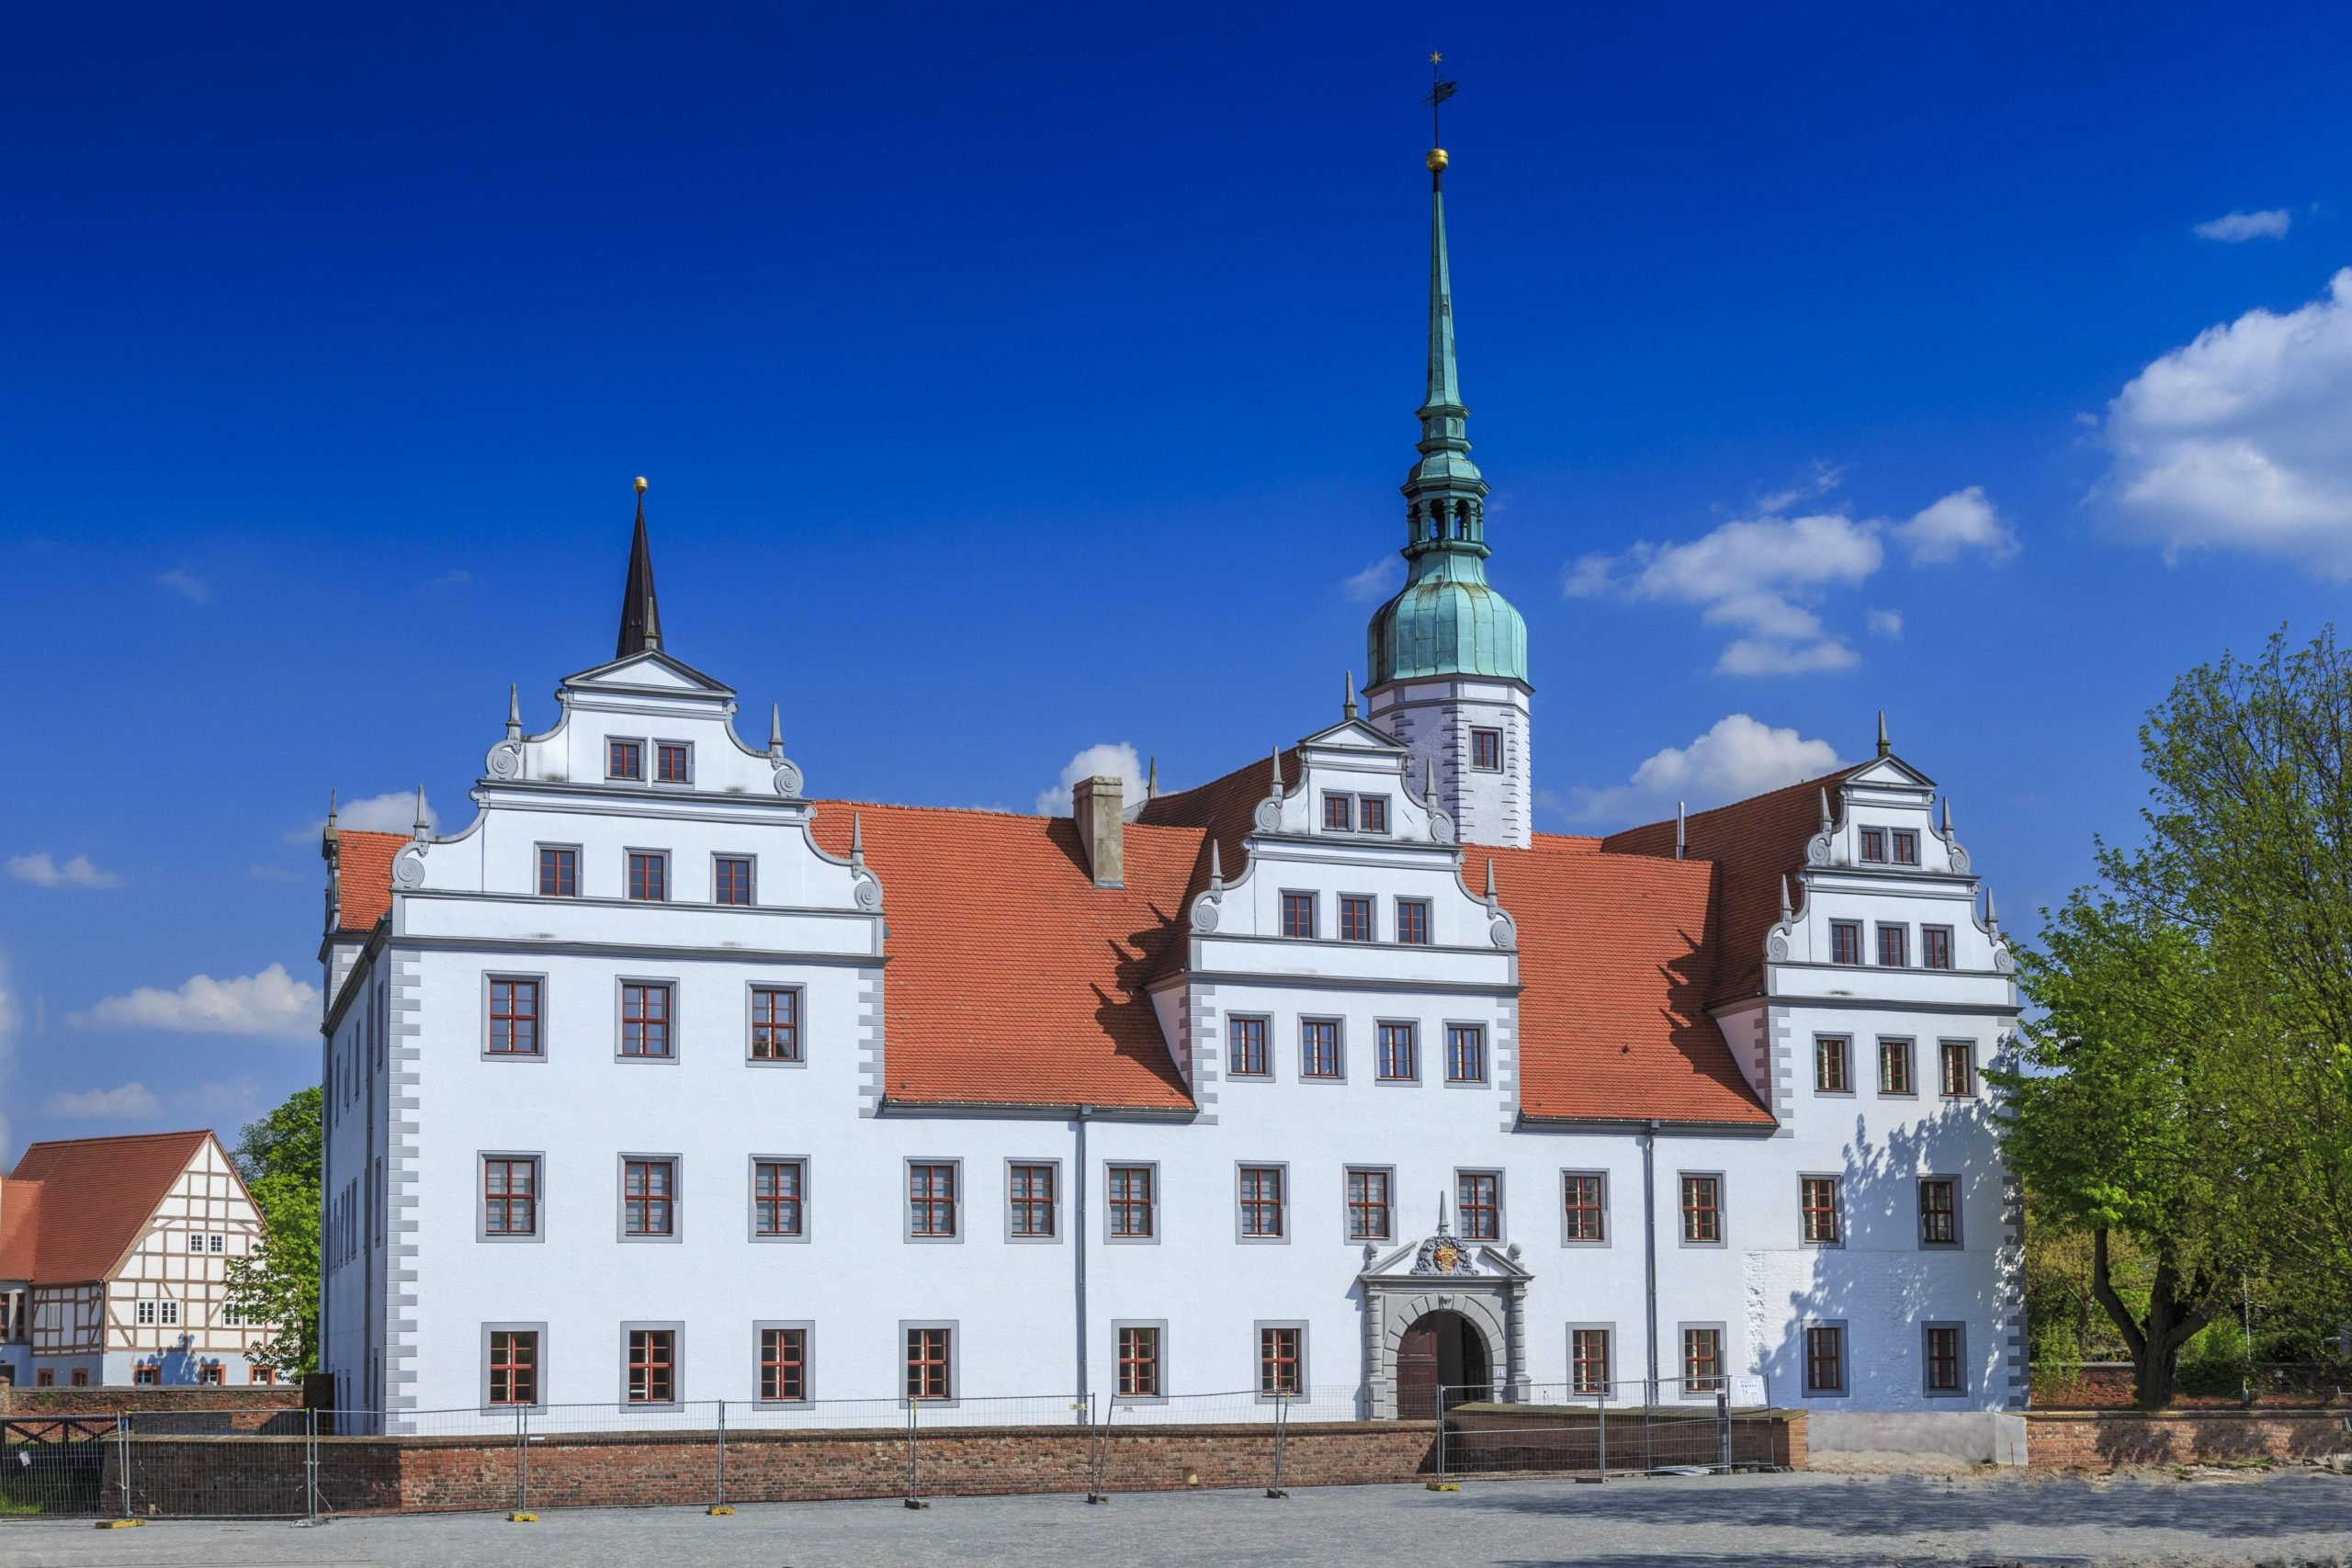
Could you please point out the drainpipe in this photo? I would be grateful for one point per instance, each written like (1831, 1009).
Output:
(1077, 1224)
(1649, 1247)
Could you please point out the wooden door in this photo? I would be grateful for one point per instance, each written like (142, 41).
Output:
(1417, 1371)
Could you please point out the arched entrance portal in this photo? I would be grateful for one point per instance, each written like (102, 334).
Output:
(1440, 1350)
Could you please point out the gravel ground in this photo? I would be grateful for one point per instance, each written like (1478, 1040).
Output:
(1761, 1522)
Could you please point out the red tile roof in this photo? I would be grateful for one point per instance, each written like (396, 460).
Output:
(363, 880)
(19, 1227)
(98, 1194)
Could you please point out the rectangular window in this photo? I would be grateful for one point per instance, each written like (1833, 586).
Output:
(1278, 1361)
(1339, 813)
(1298, 915)
(1368, 1212)
(649, 876)
(625, 759)
(1355, 920)
(1941, 1345)
(1825, 1359)
(1894, 1067)
(168, 1311)
(1817, 1202)
(1905, 844)
(1873, 844)
(1845, 942)
(514, 1366)
(645, 1019)
(1029, 1199)
(1261, 1201)
(1935, 947)
(81, 1378)
(1413, 921)
(1939, 1212)
(1398, 1051)
(1486, 750)
(195, 1241)
(652, 1366)
(1895, 947)
(514, 1017)
(730, 880)
(649, 1197)
(784, 1364)
(1246, 1047)
(145, 1374)
(931, 1200)
(559, 872)
(672, 762)
(775, 1024)
(779, 1190)
(1959, 1059)
(47, 1377)
(215, 1242)
(1702, 1361)
(1131, 1202)
(1588, 1360)
(1831, 1070)
(1478, 1200)
(1372, 814)
(929, 1365)
(143, 1312)
(1466, 1052)
(1703, 1210)
(510, 1197)
(1319, 1048)
(1139, 1363)
(1583, 1194)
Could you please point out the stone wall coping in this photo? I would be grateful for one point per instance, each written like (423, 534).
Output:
(2284, 1412)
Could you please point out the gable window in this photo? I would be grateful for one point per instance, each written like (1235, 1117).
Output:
(778, 1189)
(1702, 1361)
(931, 1200)
(673, 763)
(1894, 1067)
(514, 1017)
(1817, 1201)
(645, 1018)
(559, 872)
(775, 1024)
(1246, 1047)
(1895, 947)
(1584, 1206)
(1319, 1048)
(1831, 1073)
(652, 1366)
(1368, 1210)
(1703, 1210)
(1478, 1197)
(1372, 813)
(649, 876)
(1339, 813)
(1959, 1059)
(195, 1241)
(1279, 1361)
(1845, 942)
(1355, 920)
(1139, 1362)
(1131, 1215)
(1029, 1200)
(1397, 1053)
(510, 1196)
(1943, 1358)
(1298, 915)
(1824, 1358)
(1466, 1052)
(930, 1363)
(514, 1366)
(784, 1365)
(1905, 844)
(1935, 947)
(1486, 750)
(730, 879)
(649, 1197)
(1873, 844)
(1939, 1212)
(1413, 921)
(625, 759)
(1261, 1201)
(1588, 1360)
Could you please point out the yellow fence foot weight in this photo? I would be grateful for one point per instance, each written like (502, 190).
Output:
(719, 1508)
(120, 1524)
(1442, 1486)
(522, 1518)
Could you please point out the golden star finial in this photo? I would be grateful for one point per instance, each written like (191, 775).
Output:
(1435, 58)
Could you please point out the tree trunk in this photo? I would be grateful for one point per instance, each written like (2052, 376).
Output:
(2177, 1308)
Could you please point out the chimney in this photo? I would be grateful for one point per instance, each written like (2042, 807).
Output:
(1102, 832)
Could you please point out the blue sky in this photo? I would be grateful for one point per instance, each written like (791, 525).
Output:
(1019, 381)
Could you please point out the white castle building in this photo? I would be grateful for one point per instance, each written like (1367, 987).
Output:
(665, 1082)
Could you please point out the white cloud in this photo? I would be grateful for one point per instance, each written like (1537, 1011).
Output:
(130, 1102)
(1374, 582)
(186, 585)
(1738, 757)
(2237, 440)
(2237, 228)
(1101, 761)
(393, 812)
(1885, 623)
(43, 870)
(271, 1003)
(1962, 521)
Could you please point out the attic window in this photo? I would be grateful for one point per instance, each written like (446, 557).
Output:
(1339, 813)
(673, 763)
(1906, 847)
(1874, 844)
(625, 759)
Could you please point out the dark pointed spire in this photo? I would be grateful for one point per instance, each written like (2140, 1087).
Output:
(640, 617)
(1884, 748)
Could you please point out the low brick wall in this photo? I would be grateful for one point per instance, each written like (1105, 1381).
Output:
(2070, 1440)
(243, 1399)
(1518, 1438)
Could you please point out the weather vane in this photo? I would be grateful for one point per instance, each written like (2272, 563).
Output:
(1440, 90)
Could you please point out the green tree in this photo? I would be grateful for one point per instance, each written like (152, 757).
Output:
(282, 1158)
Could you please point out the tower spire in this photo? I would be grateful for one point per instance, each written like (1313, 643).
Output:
(640, 618)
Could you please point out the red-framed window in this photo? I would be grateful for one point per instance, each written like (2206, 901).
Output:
(1588, 1360)
(1372, 814)
(784, 1364)
(649, 876)
(1139, 1362)
(1702, 1361)
(1873, 844)
(1845, 942)
(1959, 1063)
(645, 1018)
(652, 1366)
(514, 1017)
(1831, 1066)
(1944, 1374)
(1355, 920)
(1246, 1047)
(1818, 1204)
(1486, 750)
(1939, 1212)
(930, 1363)
(210, 1372)
(559, 872)
(1895, 947)
(775, 1024)
(1905, 844)
(1825, 1359)
(625, 759)
(731, 879)
(649, 1197)
(1339, 813)
(1466, 1052)
(145, 1374)
(1319, 1048)
(510, 1197)
(1298, 914)
(1585, 1199)
(80, 1377)
(514, 1366)
(672, 762)
(1278, 1361)
(1368, 1206)
(1029, 1200)
(1703, 1208)
(263, 1375)
(1413, 921)
(1397, 1043)
(1262, 1201)
(930, 1199)
(1131, 1201)
(1935, 947)
(779, 1195)
(1478, 1197)
(1894, 1066)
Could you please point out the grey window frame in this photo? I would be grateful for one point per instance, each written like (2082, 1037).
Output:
(1958, 1327)
(1895, 837)
(1109, 1238)
(1608, 1231)
(669, 877)
(1502, 1200)
(1323, 824)
(1265, 1023)
(1241, 1234)
(1159, 1326)
(750, 860)
(907, 1203)
(579, 870)
(1910, 1044)
(1314, 913)
(954, 1328)
(1486, 1052)
(1723, 1358)
(653, 773)
(1837, 1208)
(1845, 1389)
(1412, 1024)
(1502, 750)
(1959, 1242)
(1861, 956)
(1305, 1347)
(1429, 921)
(1609, 1361)
(807, 1362)
(1845, 1044)
(643, 745)
(677, 1199)
(539, 1379)
(799, 1022)
(1976, 1077)
(1371, 902)
(1722, 1214)
(1338, 1049)
(677, 1019)
(1878, 944)
(489, 976)
(1387, 816)
(751, 1231)
(1951, 950)
(1053, 1164)
(677, 1331)
(1347, 1208)
(539, 1233)
(1863, 834)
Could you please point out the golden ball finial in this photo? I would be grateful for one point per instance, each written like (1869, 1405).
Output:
(640, 484)
(1436, 160)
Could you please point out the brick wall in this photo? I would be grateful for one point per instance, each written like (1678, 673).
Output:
(1529, 1438)
(2086, 1439)
(250, 1408)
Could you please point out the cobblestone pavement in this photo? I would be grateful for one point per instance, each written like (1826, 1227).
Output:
(1763, 1521)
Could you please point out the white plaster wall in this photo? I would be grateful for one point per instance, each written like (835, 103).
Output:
(1433, 719)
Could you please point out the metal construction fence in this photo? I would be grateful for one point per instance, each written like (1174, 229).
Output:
(1671, 1427)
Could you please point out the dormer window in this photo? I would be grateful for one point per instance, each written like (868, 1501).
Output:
(1372, 814)
(673, 763)
(1905, 844)
(1339, 813)
(1874, 845)
(1486, 750)
(625, 759)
